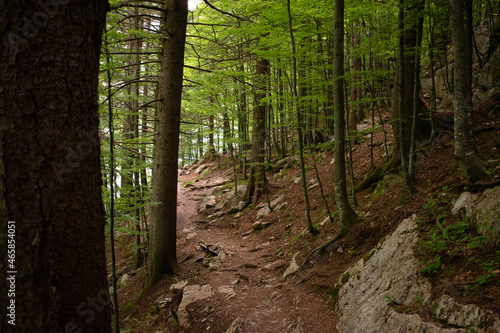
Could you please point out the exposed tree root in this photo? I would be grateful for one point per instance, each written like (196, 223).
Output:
(321, 251)
(479, 185)
(376, 175)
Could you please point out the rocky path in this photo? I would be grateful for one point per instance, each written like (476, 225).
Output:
(235, 283)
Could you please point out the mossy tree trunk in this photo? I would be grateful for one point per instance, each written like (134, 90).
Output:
(465, 147)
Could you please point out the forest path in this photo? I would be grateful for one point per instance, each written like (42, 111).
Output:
(243, 287)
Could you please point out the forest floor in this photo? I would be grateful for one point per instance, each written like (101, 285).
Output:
(247, 276)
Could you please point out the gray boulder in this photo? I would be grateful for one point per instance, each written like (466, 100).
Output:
(487, 215)
(206, 203)
(465, 205)
(390, 275)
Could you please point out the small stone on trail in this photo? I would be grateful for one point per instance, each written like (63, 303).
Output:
(235, 326)
(260, 247)
(179, 285)
(200, 169)
(294, 266)
(246, 233)
(259, 225)
(191, 294)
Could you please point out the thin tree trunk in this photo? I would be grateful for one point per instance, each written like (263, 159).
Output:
(114, 278)
(346, 214)
(310, 226)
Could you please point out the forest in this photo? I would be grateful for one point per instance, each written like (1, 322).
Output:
(250, 166)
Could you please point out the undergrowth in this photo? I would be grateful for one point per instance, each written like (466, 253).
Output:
(450, 240)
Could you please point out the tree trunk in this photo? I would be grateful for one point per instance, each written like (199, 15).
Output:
(403, 101)
(465, 147)
(346, 214)
(163, 254)
(50, 177)
(257, 178)
(307, 208)
(136, 69)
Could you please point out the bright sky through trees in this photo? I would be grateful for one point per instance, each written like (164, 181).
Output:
(193, 3)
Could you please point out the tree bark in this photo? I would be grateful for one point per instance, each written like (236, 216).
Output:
(50, 179)
(346, 214)
(307, 208)
(257, 178)
(163, 254)
(403, 102)
(465, 147)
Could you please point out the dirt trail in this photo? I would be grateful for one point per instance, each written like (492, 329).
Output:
(261, 298)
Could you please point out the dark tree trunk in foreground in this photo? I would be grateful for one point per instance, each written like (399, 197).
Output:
(257, 178)
(346, 214)
(50, 174)
(163, 254)
(465, 147)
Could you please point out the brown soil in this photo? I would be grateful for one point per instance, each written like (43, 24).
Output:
(305, 302)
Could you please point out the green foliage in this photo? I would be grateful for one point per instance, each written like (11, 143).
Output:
(447, 239)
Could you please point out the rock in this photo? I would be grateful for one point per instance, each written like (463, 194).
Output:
(200, 169)
(237, 208)
(125, 279)
(179, 285)
(468, 315)
(260, 247)
(246, 233)
(220, 206)
(392, 272)
(237, 203)
(286, 162)
(207, 202)
(191, 294)
(228, 290)
(275, 202)
(263, 212)
(311, 182)
(215, 215)
(259, 225)
(235, 326)
(274, 265)
(293, 267)
(313, 186)
(487, 215)
(297, 180)
(163, 301)
(190, 235)
(465, 205)
(282, 207)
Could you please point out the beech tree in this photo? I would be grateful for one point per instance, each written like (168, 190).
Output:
(50, 179)
(346, 214)
(257, 178)
(163, 255)
(465, 147)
